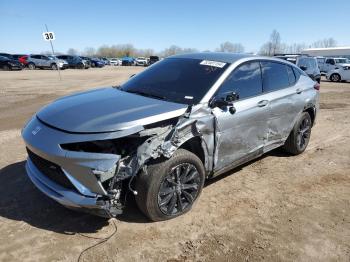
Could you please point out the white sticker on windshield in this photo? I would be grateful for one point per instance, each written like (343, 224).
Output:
(189, 97)
(213, 63)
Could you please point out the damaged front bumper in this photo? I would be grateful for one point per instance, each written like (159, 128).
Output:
(66, 197)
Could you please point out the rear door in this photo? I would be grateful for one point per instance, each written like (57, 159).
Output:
(285, 95)
(45, 61)
(241, 136)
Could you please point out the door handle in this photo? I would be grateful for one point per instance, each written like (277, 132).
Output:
(263, 103)
(298, 91)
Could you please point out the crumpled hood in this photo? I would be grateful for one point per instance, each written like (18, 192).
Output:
(106, 110)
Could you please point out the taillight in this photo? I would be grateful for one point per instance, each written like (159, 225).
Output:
(317, 86)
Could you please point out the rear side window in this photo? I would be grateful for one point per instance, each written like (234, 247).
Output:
(275, 76)
(309, 63)
(244, 80)
(297, 73)
(291, 76)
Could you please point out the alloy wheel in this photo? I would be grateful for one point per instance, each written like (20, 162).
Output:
(304, 131)
(179, 189)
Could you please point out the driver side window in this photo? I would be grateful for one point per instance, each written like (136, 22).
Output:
(244, 80)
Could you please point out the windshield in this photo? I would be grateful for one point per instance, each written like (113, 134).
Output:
(179, 80)
(3, 58)
(341, 60)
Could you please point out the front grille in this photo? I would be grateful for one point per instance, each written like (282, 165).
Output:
(50, 170)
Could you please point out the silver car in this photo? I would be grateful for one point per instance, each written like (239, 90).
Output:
(166, 130)
(43, 61)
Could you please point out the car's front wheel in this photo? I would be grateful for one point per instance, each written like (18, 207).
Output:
(299, 136)
(335, 78)
(170, 188)
(31, 66)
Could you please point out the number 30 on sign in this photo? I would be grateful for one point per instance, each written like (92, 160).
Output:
(49, 36)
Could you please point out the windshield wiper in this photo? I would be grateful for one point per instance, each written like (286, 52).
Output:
(138, 92)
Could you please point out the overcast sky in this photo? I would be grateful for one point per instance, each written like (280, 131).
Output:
(159, 24)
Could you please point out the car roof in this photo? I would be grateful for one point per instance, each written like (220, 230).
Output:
(215, 56)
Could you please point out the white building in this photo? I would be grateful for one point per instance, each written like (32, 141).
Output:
(330, 51)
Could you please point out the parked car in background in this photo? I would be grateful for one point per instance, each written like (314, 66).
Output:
(340, 73)
(74, 61)
(141, 61)
(128, 61)
(94, 62)
(20, 58)
(9, 64)
(105, 60)
(167, 130)
(42, 61)
(153, 59)
(306, 63)
(333, 62)
(9, 56)
(115, 61)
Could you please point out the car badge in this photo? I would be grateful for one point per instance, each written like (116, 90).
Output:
(36, 130)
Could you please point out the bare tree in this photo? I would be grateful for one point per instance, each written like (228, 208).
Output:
(173, 50)
(324, 43)
(231, 47)
(72, 51)
(295, 48)
(273, 46)
(275, 40)
(89, 51)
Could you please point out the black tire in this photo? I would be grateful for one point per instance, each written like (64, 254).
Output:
(299, 137)
(6, 67)
(54, 67)
(31, 66)
(81, 66)
(179, 191)
(335, 78)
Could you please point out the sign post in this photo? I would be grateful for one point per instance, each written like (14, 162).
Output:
(50, 36)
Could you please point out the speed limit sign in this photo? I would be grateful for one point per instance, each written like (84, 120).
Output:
(49, 36)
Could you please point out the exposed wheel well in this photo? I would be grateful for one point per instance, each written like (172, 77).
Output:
(312, 113)
(194, 145)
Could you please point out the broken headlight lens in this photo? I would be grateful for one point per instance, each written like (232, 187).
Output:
(121, 146)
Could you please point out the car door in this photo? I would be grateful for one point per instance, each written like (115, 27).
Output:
(285, 100)
(45, 61)
(345, 72)
(330, 64)
(36, 60)
(241, 135)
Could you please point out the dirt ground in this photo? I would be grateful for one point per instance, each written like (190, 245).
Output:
(277, 208)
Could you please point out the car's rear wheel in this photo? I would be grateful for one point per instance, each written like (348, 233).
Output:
(335, 78)
(31, 66)
(300, 135)
(6, 67)
(170, 188)
(54, 67)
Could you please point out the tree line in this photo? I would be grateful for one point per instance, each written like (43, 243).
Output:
(273, 46)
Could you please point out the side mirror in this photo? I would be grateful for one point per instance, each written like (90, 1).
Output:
(304, 68)
(223, 102)
(231, 97)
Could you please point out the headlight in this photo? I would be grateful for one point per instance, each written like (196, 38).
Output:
(346, 67)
